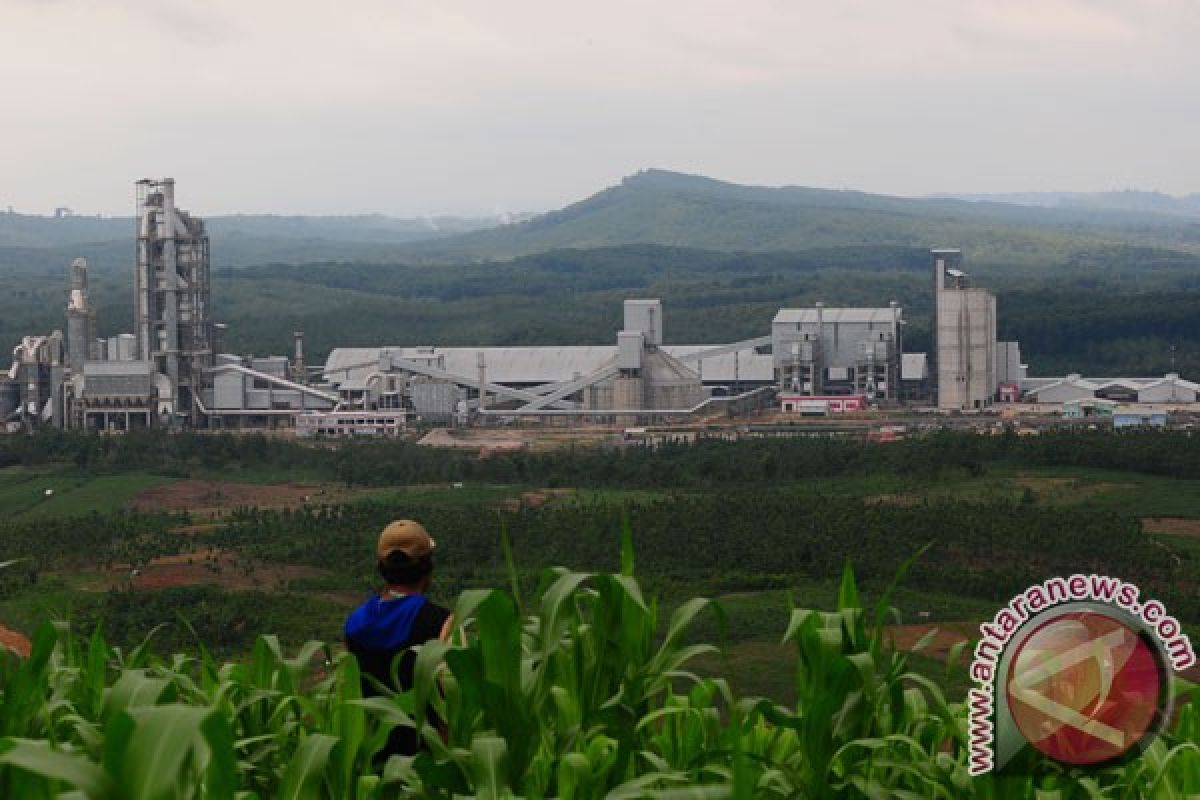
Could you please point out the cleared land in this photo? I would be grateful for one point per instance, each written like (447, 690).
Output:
(1168, 508)
(220, 497)
(209, 566)
(57, 492)
(1175, 526)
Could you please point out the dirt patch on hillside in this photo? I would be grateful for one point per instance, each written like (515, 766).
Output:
(1068, 488)
(535, 499)
(1176, 526)
(220, 497)
(903, 500)
(205, 567)
(14, 641)
(201, 528)
(491, 442)
(905, 637)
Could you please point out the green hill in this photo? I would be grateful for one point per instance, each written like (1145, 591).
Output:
(1125, 200)
(666, 208)
(37, 244)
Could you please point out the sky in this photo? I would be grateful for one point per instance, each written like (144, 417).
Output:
(480, 107)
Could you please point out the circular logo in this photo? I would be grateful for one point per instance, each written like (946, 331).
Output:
(1085, 688)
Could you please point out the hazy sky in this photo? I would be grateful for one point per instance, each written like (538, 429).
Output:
(455, 106)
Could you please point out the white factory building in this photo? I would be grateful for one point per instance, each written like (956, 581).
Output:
(1167, 390)
(638, 375)
(170, 373)
(965, 337)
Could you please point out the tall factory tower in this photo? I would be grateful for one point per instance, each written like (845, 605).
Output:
(174, 302)
(81, 319)
(964, 336)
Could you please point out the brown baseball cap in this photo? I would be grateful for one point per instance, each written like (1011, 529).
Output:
(406, 536)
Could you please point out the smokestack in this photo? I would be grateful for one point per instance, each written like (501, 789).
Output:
(79, 278)
(79, 318)
(481, 362)
(298, 369)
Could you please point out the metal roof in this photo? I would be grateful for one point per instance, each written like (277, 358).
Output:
(1077, 383)
(832, 315)
(109, 368)
(1133, 384)
(1173, 380)
(1124, 383)
(540, 365)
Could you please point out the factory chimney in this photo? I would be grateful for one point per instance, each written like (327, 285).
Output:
(299, 372)
(481, 362)
(80, 319)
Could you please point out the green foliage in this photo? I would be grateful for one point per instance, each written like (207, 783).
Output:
(711, 518)
(586, 696)
(707, 463)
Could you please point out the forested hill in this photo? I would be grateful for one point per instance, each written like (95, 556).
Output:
(650, 207)
(659, 207)
(1125, 200)
(39, 244)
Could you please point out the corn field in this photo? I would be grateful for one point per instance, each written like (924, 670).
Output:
(581, 691)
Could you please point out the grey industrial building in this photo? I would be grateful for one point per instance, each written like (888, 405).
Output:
(168, 371)
(163, 374)
(965, 336)
(822, 350)
(1167, 390)
(638, 376)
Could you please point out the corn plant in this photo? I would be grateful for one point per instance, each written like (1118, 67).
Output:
(577, 692)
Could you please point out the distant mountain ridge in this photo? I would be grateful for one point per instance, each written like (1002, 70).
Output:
(679, 210)
(33, 243)
(1187, 205)
(32, 230)
(659, 207)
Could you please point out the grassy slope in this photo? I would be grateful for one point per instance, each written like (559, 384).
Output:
(753, 618)
(672, 209)
(23, 491)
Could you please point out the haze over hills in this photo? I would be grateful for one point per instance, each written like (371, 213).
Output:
(662, 208)
(667, 208)
(1119, 284)
(33, 243)
(32, 230)
(1130, 200)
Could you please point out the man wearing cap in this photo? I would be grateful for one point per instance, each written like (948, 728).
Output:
(397, 619)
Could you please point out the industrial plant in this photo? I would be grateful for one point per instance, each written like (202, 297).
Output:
(170, 373)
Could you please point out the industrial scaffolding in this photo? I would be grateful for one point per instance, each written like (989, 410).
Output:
(173, 296)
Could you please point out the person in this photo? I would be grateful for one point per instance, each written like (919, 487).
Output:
(388, 625)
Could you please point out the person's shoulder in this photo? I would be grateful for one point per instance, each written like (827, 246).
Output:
(432, 609)
(366, 605)
(360, 614)
(431, 620)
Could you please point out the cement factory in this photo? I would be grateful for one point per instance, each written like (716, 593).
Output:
(169, 372)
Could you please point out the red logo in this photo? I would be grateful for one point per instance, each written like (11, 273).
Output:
(1085, 688)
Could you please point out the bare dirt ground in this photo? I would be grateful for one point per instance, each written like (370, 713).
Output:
(1067, 487)
(14, 641)
(217, 567)
(534, 499)
(473, 440)
(488, 441)
(904, 500)
(1178, 526)
(219, 497)
(905, 637)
